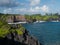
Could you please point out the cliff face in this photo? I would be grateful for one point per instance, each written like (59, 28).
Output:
(25, 39)
(16, 18)
(15, 35)
(15, 39)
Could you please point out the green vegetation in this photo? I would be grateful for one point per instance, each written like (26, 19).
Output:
(19, 30)
(6, 29)
(3, 32)
(46, 17)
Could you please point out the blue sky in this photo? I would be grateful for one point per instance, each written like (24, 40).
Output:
(29, 6)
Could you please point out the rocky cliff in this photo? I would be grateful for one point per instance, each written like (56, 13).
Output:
(15, 39)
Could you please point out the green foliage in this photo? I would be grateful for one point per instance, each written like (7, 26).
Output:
(40, 17)
(20, 31)
(1, 23)
(4, 31)
(5, 28)
(45, 18)
(28, 17)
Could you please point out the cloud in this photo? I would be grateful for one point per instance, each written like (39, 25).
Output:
(9, 10)
(14, 11)
(34, 2)
(45, 8)
(30, 10)
(21, 9)
(8, 3)
(36, 9)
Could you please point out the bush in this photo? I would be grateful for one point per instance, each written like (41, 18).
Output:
(3, 32)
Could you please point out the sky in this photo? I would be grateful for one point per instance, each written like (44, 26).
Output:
(29, 6)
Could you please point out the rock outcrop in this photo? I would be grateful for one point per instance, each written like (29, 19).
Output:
(25, 39)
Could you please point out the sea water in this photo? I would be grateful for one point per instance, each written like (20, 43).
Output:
(48, 33)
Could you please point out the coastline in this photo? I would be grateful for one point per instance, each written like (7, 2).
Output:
(25, 39)
(13, 38)
(32, 22)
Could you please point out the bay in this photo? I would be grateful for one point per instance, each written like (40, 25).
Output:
(48, 33)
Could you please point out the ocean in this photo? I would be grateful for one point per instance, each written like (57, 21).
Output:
(48, 33)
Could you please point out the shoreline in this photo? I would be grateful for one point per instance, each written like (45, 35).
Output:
(26, 38)
(32, 22)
